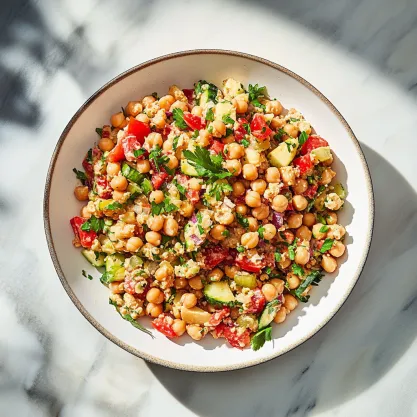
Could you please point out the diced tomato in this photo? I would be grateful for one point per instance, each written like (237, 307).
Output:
(239, 130)
(117, 153)
(231, 256)
(158, 179)
(214, 255)
(129, 286)
(218, 316)
(257, 302)
(319, 244)
(88, 164)
(167, 130)
(163, 325)
(311, 143)
(235, 339)
(138, 129)
(217, 147)
(86, 238)
(259, 127)
(290, 207)
(269, 259)
(130, 144)
(304, 164)
(189, 93)
(311, 191)
(194, 122)
(248, 265)
(103, 187)
(193, 196)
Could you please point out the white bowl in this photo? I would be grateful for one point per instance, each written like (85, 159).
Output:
(183, 69)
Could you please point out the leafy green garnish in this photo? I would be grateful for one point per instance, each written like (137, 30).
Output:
(202, 86)
(246, 126)
(155, 95)
(172, 296)
(293, 120)
(261, 232)
(255, 93)
(88, 276)
(277, 256)
(310, 179)
(259, 338)
(240, 249)
(302, 138)
(321, 189)
(178, 116)
(146, 186)
(297, 270)
(226, 233)
(281, 132)
(138, 152)
(312, 279)
(165, 207)
(321, 219)
(93, 224)
(245, 143)
(219, 188)
(160, 159)
(327, 245)
(324, 229)
(206, 164)
(181, 189)
(243, 221)
(99, 131)
(291, 249)
(210, 114)
(227, 119)
(89, 156)
(80, 175)
(175, 143)
(114, 206)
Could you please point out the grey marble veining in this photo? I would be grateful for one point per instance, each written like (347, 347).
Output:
(54, 54)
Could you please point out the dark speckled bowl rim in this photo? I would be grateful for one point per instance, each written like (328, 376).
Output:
(102, 330)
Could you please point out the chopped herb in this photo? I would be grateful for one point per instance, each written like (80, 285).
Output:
(160, 159)
(93, 224)
(227, 120)
(245, 143)
(289, 145)
(246, 126)
(297, 270)
(178, 116)
(113, 206)
(302, 138)
(327, 245)
(210, 129)
(204, 86)
(312, 279)
(261, 232)
(195, 134)
(138, 152)
(172, 296)
(200, 229)
(88, 276)
(310, 179)
(146, 186)
(310, 204)
(243, 221)
(321, 219)
(229, 131)
(268, 270)
(89, 156)
(240, 249)
(291, 249)
(99, 131)
(182, 260)
(180, 188)
(210, 114)
(165, 239)
(165, 207)
(80, 175)
(226, 233)
(219, 188)
(175, 143)
(259, 338)
(321, 189)
(277, 256)
(155, 94)
(263, 130)
(293, 120)
(324, 229)
(256, 93)
(281, 132)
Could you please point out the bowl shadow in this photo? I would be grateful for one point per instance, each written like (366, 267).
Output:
(353, 351)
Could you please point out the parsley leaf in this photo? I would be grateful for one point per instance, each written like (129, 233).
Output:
(255, 93)
(312, 279)
(227, 119)
(245, 143)
(327, 245)
(146, 186)
(277, 256)
(80, 175)
(195, 134)
(219, 188)
(210, 115)
(292, 119)
(172, 296)
(165, 207)
(302, 138)
(205, 87)
(291, 249)
(281, 132)
(261, 232)
(324, 229)
(321, 219)
(99, 131)
(178, 116)
(259, 338)
(175, 143)
(240, 249)
(160, 159)
(93, 224)
(89, 156)
(310, 179)
(297, 270)
(180, 188)
(138, 152)
(289, 144)
(243, 221)
(246, 126)
(113, 206)
(226, 233)
(88, 276)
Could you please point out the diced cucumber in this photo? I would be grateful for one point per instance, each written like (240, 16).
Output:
(246, 280)
(135, 261)
(188, 169)
(248, 321)
(340, 191)
(115, 270)
(195, 315)
(284, 153)
(95, 258)
(131, 173)
(219, 293)
(321, 154)
(147, 186)
(224, 109)
(134, 189)
(269, 313)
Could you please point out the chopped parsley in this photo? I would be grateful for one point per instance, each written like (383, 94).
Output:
(93, 224)
(240, 249)
(172, 296)
(99, 131)
(138, 152)
(310, 180)
(302, 138)
(245, 143)
(175, 143)
(242, 220)
(229, 131)
(219, 188)
(268, 270)
(89, 156)
(297, 270)
(227, 119)
(327, 245)
(277, 257)
(291, 249)
(255, 93)
(160, 159)
(246, 126)
(178, 116)
(195, 134)
(293, 120)
(88, 276)
(226, 233)
(181, 189)
(146, 186)
(312, 279)
(260, 337)
(80, 175)
(113, 206)
(261, 232)
(165, 207)
(281, 132)
(324, 229)
(210, 115)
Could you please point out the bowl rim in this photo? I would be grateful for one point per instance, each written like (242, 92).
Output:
(154, 359)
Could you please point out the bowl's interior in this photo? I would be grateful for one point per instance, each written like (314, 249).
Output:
(91, 297)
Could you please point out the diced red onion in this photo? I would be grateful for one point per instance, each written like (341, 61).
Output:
(168, 113)
(277, 219)
(196, 239)
(194, 219)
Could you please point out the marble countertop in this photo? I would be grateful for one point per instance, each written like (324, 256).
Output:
(360, 53)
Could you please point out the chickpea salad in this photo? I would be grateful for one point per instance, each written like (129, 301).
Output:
(210, 210)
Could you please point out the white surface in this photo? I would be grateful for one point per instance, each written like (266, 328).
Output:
(54, 363)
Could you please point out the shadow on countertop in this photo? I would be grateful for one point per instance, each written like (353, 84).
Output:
(353, 351)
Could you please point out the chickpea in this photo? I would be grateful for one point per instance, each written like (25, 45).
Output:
(287, 175)
(143, 166)
(194, 331)
(295, 221)
(229, 139)
(309, 219)
(204, 137)
(133, 108)
(300, 186)
(226, 218)
(134, 244)
(81, 193)
(327, 176)
(171, 227)
(299, 202)
(241, 209)
(338, 249)
(117, 119)
(240, 105)
(250, 172)
(280, 316)
(119, 183)
(303, 233)
(85, 212)
(153, 140)
(316, 231)
(253, 157)
(238, 189)
(250, 240)
(269, 231)
(218, 232)
(154, 310)
(113, 168)
(261, 212)
(173, 162)
(197, 111)
(189, 300)
(156, 196)
(219, 128)
(273, 106)
(277, 123)
(259, 186)
(336, 231)
(290, 302)
(195, 283)
(272, 175)
(119, 196)
(253, 199)
(166, 102)
(253, 224)
(302, 255)
(231, 271)
(215, 275)
(269, 291)
(142, 117)
(234, 151)
(155, 295)
(148, 101)
(117, 287)
(155, 223)
(162, 273)
(331, 218)
(129, 217)
(280, 203)
(285, 263)
(293, 281)
(291, 130)
(179, 327)
(186, 209)
(105, 144)
(279, 284)
(179, 105)
(154, 238)
(328, 263)
(233, 166)
(180, 283)
(195, 184)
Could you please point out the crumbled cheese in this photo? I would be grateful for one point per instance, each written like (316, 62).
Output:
(333, 201)
(274, 188)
